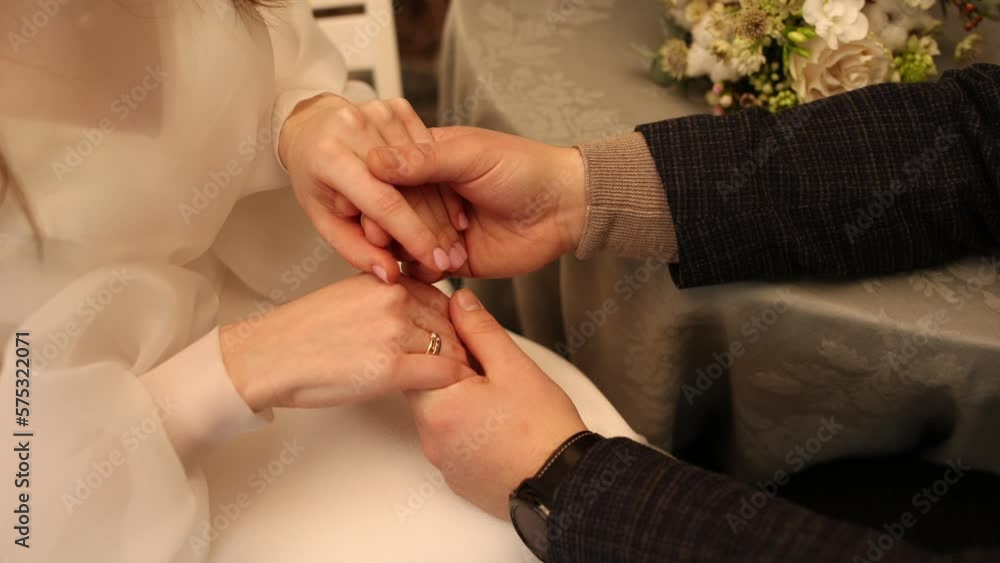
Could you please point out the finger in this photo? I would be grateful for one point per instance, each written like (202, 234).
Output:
(456, 209)
(424, 323)
(400, 253)
(383, 117)
(441, 134)
(414, 372)
(419, 272)
(453, 161)
(416, 270)
(342, 207)
(386, 206)
(483, 335)
(437, 210)
(375, 234)
(347, 239)
(426, 204)
(428, 295)
(414, 125)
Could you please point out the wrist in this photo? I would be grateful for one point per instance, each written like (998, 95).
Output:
(532, 503)
(239, 364)
(571, 217)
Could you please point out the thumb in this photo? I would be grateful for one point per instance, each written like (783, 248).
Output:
(456, 161)
(482, 334)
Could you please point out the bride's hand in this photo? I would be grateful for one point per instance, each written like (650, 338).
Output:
(324, 144)
(349, 342)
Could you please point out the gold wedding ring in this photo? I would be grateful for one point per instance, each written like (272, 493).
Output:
(434, 346)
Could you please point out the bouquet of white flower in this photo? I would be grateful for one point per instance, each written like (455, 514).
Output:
(777, 54)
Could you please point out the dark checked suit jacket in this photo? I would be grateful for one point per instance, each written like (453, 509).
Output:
(881, 180)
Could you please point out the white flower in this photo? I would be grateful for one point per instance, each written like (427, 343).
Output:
(701, 58)
(893, 21)
(703, 62)
(828, 71)
(686, 14)
(922, 4)
(836, 21)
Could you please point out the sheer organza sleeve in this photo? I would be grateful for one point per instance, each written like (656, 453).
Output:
(112, 472)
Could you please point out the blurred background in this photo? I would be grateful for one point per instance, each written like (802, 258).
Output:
(419, 25)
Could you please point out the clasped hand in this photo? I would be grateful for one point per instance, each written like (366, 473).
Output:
(381, 187)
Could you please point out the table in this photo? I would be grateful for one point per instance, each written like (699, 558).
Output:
(761, 372)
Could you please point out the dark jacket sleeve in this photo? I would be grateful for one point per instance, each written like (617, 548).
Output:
(883, 179)
(626, 503)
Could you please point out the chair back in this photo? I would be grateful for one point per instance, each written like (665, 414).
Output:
(365, 32)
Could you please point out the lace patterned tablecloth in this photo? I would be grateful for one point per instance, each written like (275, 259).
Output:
(894, 364)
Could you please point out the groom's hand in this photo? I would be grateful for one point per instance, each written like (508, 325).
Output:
(527, 200)
(487, 434)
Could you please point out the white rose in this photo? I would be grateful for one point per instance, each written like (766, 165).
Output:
(827, 71)
(836, 21)
(892, 21)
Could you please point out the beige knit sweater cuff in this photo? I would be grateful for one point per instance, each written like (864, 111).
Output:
(627, 210)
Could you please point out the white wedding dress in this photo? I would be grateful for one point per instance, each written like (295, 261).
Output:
(143, 133)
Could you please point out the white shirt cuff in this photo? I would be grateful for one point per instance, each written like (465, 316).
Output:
(204, 407)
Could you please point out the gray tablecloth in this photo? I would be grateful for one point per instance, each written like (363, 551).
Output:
(764, 371)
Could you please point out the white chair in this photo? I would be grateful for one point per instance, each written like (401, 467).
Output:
(365, 32)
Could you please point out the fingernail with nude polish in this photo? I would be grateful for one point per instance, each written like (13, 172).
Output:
(458, 256)
(463, 221)
(380, 272)
(441, 259)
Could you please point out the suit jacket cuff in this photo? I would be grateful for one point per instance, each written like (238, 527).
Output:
(627, 210)
(596, 508)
